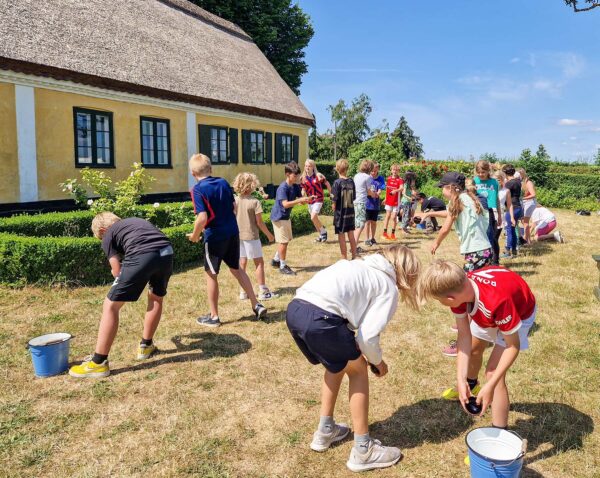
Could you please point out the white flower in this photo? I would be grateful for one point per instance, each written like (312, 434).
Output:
(156, 204)
(90, 202)
(135, 165)
(70, 187)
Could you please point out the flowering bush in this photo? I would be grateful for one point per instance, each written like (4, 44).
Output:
(120, 198)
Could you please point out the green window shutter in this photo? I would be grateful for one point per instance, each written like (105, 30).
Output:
(295, 148)
(246, 148)
(269, 146)
(233, 145)
(278, 149)
(204, 133)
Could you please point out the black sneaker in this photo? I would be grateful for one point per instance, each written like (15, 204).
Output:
(275, 263)
(208, 321)
(359, 250)
(286, 270)
(321, 239)
(259, 310)
(373, 242)
(368, 242)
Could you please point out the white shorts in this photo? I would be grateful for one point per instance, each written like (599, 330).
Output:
(315, 208)
(251, 249)
(491, 334)
(394, 209)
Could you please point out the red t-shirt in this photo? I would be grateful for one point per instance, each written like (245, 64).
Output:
(313, 187)
(392, 183)
(502, 299)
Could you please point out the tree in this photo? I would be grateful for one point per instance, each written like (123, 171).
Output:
(279, 28)
(378, 148)
(490, 157)
(537, 165)
(597, 158)
(351, 123)
(411, 144)
(591, 4)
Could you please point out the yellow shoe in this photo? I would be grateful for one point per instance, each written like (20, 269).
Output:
(90, 369)
(452, 394)
(146, 351)
(467, 460)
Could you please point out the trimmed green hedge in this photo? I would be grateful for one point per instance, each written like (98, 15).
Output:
(577, 185)
(80, 260)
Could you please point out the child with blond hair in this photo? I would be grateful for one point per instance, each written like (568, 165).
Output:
(312, 183)
(214, 206)
(488, 187)
(248, 214)
(336, 320)
(393, 189)
(491, 305)
(139, 255)
(361, 183)
(343, 195)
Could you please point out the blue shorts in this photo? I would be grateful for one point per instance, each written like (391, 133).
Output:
(323, 337)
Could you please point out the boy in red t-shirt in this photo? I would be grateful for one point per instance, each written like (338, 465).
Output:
(393, 186)
(491, 304)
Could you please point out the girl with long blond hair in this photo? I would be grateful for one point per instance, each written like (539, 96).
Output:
(312, 183)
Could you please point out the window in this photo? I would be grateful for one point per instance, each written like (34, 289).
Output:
(286, 148)
(93, 138)
(257, 147)
(155, 137)
(218, 145)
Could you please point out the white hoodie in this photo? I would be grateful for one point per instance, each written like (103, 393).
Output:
(363, 292)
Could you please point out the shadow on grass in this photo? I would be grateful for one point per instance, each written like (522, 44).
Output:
(433, 420)
(281, 291)
(272, 316)
(200, 345)
(555, 427)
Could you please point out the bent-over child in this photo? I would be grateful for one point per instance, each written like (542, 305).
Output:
(336, 319)
(139, 255)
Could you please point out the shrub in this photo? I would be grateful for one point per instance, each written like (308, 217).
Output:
(580, 185)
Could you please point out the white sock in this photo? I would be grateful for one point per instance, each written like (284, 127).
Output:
(263, 288)
(323, 230)
(281, 264)
(276, 256)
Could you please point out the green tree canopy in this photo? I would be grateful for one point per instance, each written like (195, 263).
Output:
(597, 158)
(352, 123)
(380, 149)
(280, 28)
(411, 144)
(537, 165)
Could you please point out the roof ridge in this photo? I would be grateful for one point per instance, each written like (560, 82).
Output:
(189, 8)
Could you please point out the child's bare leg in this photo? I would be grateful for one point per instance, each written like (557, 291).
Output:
(316, 222)
(476, 359)
(388, 214)
(259, 264)
(352, 244)
(243, 263)
(245, 284)
(212, 291)
(357, 233)
(329, 392)
(109, 324)
(359, 395)
(501, 402)
(282, 251)
(152, 317)
(342, 241)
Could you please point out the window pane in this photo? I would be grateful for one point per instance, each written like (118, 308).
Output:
(161, 129)
(147, 142)
(259, 138)
(146, 127)
(101, 123)
(165, 144)
(214, 133)
(147, 157)
(223, 146)
(223, 155)
(103, 155)
(214, 156)
(84, 155)
(253, 137)
(223, 134)
(159, 143)
(84, 133)
(163, 157)
(214, 147)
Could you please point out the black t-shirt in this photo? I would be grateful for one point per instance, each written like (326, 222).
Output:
(132, 236)
(433, 204)
(514, 186)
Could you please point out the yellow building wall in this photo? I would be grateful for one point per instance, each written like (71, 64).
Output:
(9, 162)
(56, 148)
(266, 173)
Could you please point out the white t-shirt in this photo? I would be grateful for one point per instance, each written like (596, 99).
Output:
(542, 217)
(502, 200)
(361, 182)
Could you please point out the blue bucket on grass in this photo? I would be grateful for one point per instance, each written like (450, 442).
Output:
(50, 354)
(421, 225)
(495, 453)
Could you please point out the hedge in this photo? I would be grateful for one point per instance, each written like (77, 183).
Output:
(577, 185)
(80, 260)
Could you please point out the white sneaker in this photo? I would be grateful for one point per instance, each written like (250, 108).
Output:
(322, 441)
(267, 295)
(377, 456)
(243, 295)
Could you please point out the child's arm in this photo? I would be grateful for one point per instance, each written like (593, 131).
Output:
(444, 231)
(463, 343)
(199, 225)
(510, 209)
(263, 227)
(301, 200)
(115, 266)
(425, 215)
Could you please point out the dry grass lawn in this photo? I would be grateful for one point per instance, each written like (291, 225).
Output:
(241, 401)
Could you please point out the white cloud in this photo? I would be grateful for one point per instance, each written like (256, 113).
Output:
(515, 60)
(573, 138)
(572, 122)
(595, 129)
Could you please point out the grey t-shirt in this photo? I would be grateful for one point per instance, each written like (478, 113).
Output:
(132, 236)
(361, 182)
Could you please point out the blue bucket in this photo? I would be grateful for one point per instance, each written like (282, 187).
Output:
(495, 453)
(50, 354)
(421, 225)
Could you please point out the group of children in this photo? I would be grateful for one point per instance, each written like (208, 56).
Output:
(336, 318)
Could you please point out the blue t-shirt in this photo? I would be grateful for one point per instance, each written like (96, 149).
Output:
(488, 188)
(374, 185)
(285, 192)
(215, 197)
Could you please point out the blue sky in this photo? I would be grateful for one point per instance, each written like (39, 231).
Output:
(470, 76)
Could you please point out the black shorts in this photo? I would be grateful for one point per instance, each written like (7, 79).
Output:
(322, 337)
(227, 251)
(154, 268)
(372, 214)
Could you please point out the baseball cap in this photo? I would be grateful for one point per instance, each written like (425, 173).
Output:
(452, 177)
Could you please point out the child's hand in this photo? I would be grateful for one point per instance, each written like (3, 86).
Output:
(271, 238)
(484, 397)
(193, 238)
(464, 392)
(382, 368)
(434, 248)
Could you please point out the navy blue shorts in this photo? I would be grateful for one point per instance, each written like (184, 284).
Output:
(323, 337)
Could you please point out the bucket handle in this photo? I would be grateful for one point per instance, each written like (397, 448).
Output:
(520, 455)
(54, 342)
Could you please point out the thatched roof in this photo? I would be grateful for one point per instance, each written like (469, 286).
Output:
(163, 48)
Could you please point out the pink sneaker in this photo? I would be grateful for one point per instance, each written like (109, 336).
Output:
(451, 350)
